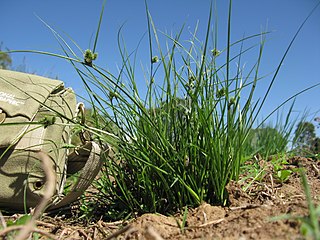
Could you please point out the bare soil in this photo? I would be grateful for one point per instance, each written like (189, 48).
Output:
(249, 215)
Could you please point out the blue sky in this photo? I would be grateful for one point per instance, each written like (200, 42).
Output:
(22, 30)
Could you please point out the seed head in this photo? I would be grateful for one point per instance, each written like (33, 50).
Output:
(155, 59)
(220, 93)
(89, 56)
(215, 52)
(112, 95)
(232, 101)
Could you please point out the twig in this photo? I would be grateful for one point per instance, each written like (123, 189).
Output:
(316, 169)
(34, 229)
(104, 232)
(95, 233)
(45, 224)
(207, 224)
(3, 222)
(205, 219)
(62, 233)
(112, 223)
(212, 222)
(50, 189)
(83, 233)
(272, 183)
(119, 232)
(249, 206)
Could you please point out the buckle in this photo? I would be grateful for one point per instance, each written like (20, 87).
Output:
(84, 135)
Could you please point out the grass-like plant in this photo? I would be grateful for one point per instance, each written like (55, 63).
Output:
(182, 141)
(311, 224)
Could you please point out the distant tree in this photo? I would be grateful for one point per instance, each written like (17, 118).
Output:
(316, 145)
(317, 120)
(6, 63)
(305, 138)
(5, 59)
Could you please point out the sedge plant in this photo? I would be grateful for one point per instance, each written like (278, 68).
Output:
(182, 142)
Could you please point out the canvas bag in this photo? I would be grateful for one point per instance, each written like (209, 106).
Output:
(35, 116)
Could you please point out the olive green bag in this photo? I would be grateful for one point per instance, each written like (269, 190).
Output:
(36, 115)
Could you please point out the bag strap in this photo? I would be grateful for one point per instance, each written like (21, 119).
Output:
(89, 156)
(84, 160)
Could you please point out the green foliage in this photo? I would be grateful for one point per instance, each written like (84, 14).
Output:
(183, 141)
(281, 173)
(182, 225)
(316, 146)
(276, 165)
(284, 174)
(305, 133)
(5, 59)
(310, 225)
(21, 221)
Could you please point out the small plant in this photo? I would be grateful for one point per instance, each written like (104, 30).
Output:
(182, 225)
(11, 228)
(281, 173)
(311, 224)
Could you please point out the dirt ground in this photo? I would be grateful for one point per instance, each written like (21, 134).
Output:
(248, 216)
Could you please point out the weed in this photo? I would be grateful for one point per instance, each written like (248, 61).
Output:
(182, 225)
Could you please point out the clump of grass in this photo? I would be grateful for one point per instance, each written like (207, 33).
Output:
(181, 143)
